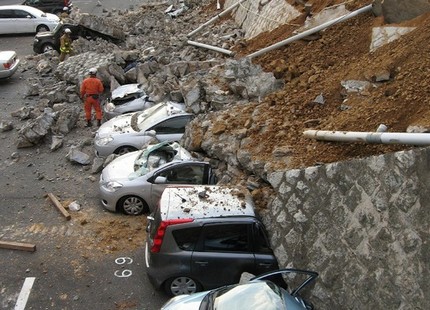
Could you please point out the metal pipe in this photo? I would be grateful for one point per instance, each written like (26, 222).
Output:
(211, 47)
(370, 137)
(310, 31)
(213, 19)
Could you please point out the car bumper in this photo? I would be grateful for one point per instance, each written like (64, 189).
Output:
(8, 73)
(151, 273)
(107, 198)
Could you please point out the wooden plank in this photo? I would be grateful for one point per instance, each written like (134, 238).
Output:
(17, 246)
(59, 206)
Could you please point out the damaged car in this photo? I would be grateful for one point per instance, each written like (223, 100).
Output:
(134, 182)
(165, 121)
(125, 99)
(260, 292)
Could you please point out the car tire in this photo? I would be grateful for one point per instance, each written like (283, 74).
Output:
(42, 28)
(47, 48)
(181, 285)
(133, 205)
(124, 150)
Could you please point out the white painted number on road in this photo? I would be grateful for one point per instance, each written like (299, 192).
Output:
(125, 273)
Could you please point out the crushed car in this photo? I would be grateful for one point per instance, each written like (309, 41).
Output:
(260, 293)
(50, 40)
(165, 121)
(133, 183)
(125, 99)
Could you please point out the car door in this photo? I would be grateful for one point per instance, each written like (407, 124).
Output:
(222, 254)
(7, 22)
(25, 22)
(179, 173)
(171, 129)
(265, 260)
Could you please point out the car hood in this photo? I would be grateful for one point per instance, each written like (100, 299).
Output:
(117, 125)
(125, 90)
(44, 34)
(52, 17)
(121, 167)
(185, 302)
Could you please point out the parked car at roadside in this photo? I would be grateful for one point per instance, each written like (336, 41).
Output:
(125, 99)
(25, 19)
(260, 293)
(129, 132)
(203, 237)
(133, 183)
(8, 64)
(50, 6)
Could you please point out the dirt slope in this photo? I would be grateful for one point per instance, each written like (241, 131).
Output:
(314, 67)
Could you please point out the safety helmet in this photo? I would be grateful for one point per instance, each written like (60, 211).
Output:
(92, 71)
(65, 8)
(67, 30)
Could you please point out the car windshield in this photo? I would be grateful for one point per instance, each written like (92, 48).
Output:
(261, 295)
(57, 28)
(143, 120)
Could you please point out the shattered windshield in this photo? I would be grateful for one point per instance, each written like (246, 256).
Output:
(154, 156)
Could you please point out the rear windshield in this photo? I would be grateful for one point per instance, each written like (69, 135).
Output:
(186, 238)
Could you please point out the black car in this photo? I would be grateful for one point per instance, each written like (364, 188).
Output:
(50, 6)
(50, 40)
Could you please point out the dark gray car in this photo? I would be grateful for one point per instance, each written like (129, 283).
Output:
(199, 231)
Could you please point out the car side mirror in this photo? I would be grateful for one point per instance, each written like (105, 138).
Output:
(151, 133)
(160, 180)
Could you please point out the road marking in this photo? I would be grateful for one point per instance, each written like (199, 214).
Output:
(25, 292)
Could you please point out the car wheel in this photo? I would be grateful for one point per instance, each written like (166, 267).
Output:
(125, 149)
(47, 48)
(133, 205)
(42, 28)
(181, 285)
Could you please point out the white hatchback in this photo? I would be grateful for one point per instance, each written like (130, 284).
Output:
(25, 19)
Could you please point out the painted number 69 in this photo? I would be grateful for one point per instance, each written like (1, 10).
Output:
(125, 273)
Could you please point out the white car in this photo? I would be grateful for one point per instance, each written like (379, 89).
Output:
(25, 19)
(129, 132)
(8, 64)
(126, 99)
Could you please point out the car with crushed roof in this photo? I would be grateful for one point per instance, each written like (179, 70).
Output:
(266, 291)
(205, 236)
(125, 99)
(133, 183)
(165, 121)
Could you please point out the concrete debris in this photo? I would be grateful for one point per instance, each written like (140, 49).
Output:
(6, 126)
(57, 142)
(76, 156)
(33, 132)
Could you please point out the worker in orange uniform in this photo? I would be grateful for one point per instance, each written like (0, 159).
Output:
(91, 89)
(65, 44)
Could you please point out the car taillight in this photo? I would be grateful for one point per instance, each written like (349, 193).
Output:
(158, 238)
(7, 65)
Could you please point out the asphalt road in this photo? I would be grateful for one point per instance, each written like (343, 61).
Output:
(70, 268)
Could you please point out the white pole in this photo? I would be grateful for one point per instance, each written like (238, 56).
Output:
(420, 139)
(213, 19)
(310, 31)
(211, 47)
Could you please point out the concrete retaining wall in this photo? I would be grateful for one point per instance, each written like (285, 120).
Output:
(362, 224)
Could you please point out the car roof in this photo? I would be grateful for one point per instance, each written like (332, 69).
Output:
(205, 201)
(27, 8)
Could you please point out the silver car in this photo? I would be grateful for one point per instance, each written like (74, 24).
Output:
(134, 182)
(260, 293)
(8, 64)
(129, 132)
(125, 99)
